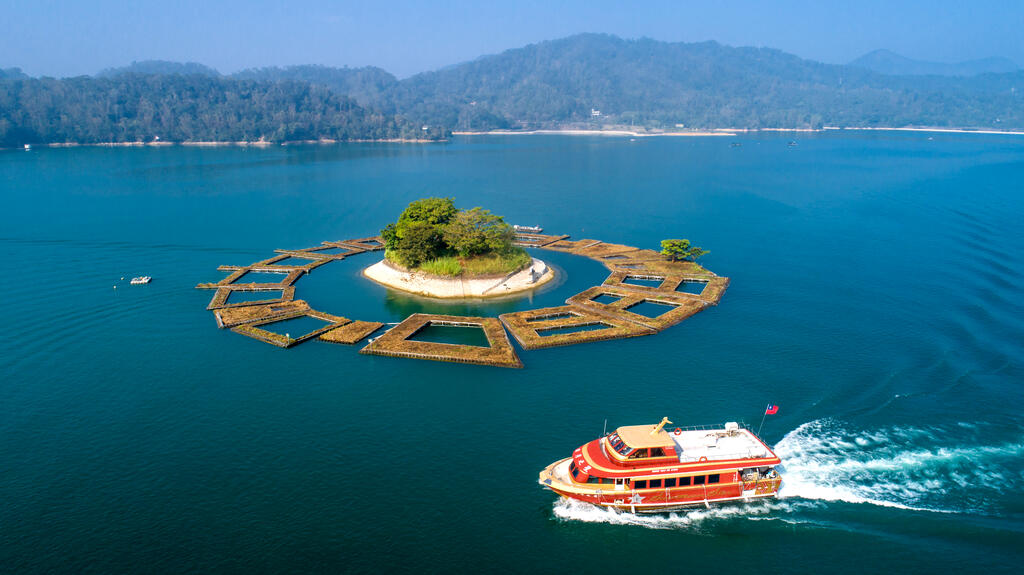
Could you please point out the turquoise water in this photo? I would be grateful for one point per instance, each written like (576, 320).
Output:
(875, 297)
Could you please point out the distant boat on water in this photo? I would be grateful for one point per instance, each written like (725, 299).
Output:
(28, 147)
(735, 145)
(528, 229)
(141, 280)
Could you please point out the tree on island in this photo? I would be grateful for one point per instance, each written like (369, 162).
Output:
(478, 231)
(433, 235)
(681, 250)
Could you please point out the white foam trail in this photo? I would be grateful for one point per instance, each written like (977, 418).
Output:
(927, 469)
(574, 510)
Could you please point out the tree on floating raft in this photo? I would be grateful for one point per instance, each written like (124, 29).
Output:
(681, 250)
(434, 236)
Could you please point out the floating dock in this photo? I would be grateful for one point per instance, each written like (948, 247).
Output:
(222, 297)
(255, 329)
(677, 307)
(236, 316)
(554, 326)
(351, 333)
(396, 342)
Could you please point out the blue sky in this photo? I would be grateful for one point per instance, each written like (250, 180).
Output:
(61, 38)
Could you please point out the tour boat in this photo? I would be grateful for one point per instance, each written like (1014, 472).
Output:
(141, 280)
(528, 229)
(647, 468)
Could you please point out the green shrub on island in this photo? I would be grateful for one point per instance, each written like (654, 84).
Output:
(446, 266)
(434, 236)
(682, 250)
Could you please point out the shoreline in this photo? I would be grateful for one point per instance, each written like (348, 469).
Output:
(712, 132)
(736, 131)
(422, 284)
(576, 132)
(216, 144)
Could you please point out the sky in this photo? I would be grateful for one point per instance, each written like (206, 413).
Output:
(64, 38)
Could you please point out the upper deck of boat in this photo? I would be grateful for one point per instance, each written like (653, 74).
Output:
(718, 444)
(711, 444)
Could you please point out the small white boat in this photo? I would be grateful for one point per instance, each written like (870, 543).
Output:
(141, 280)
(528, 229)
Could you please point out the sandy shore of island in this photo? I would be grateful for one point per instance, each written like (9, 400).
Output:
(419, 283)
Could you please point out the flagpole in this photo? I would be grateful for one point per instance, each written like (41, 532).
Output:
(762, 422)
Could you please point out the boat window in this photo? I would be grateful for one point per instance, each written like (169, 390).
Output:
(640, 484)
(670, 482)
(655, 483)
(638, 454)
(713, 478)
(699, 480)
(657, 452)
(684, 481)
(601, 480)
(614, 441)
(575, 472)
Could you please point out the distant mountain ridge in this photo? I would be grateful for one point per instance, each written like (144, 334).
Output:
(583, 81)
(887, 62)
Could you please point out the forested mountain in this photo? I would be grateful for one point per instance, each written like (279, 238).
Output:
(366, 86)
(160, 68)
(177, 108)
(651, 83)
(11, 73)
(886, 62)
(644, 83)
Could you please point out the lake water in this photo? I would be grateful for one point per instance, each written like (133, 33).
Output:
(876, 298)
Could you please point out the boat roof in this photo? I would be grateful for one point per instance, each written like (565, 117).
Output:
(640, 436)
(718, 444)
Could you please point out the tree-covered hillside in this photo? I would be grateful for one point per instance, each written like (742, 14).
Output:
(364, 85)
(703, 85)
(181, 108)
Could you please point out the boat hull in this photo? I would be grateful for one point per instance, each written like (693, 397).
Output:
(659, 500)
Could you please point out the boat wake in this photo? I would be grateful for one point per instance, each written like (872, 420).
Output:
(949, 469)
(574, 510)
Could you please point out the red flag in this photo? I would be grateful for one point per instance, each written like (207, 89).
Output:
(771, 409)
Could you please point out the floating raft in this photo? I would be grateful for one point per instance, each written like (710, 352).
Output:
(255, 329)
(351, 333)
(553, 326)
(396, 342)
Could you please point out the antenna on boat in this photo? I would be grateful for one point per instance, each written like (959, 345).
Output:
(605, 430)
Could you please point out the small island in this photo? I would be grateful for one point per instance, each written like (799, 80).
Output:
(438, 250)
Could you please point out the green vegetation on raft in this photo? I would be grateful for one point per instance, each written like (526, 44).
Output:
(433, 236)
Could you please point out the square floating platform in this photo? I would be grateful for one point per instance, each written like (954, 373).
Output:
(232, 281)
(222, 298)
(259, 329)
(398, 342)
(709, 288)
(678, 306)
(567, 325)
(241, 315)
